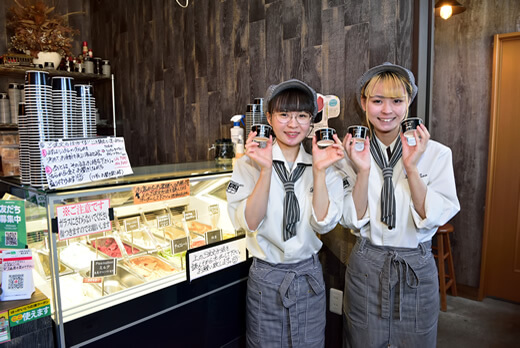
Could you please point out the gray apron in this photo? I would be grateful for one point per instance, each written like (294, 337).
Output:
(286, 304)
(391, 297)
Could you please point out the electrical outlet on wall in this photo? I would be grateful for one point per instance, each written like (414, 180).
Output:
(336, 301)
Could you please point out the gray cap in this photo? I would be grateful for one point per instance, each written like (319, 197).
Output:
(274, 90)
(407, 74)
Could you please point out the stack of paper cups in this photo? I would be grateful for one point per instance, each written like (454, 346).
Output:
(5, 114)
(15, 98)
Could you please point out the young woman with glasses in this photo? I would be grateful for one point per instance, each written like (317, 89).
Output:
(282, 196)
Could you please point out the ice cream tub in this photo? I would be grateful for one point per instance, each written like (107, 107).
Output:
(78, 256)
(123, 279)
(149, 267)
(110, 247)
(142, 239)
(42, 265)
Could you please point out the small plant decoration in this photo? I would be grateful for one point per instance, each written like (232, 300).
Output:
(37, 29)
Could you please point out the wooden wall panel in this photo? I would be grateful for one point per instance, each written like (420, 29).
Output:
(461, 111)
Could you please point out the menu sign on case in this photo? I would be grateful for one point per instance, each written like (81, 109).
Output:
(80, 219)
(103, 268)
(73, 162)
(212, 259)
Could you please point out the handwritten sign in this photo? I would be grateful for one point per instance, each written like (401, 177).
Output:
(161, 191)
(213, 236)
(13, 234)
(73, 162)
(190, 215)
(163, 220)
(179, 245)
(212, 259)
(103, 268)
(80, 219)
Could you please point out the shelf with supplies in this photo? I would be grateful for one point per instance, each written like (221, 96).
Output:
(157, 218)
(18, 71)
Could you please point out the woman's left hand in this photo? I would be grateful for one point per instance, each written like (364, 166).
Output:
(324, 158)
(412, 154)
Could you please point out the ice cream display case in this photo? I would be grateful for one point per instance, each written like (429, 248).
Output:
(155, 218)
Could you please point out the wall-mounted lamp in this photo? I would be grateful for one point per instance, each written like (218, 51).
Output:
(447, 8)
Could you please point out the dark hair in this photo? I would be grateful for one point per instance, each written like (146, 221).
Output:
(293, 99)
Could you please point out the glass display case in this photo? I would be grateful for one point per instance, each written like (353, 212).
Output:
(149, 211)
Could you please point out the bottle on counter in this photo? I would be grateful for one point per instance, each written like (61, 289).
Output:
(97, 65)
(237, 135)
(85, 49)
(105, 67)
(89, 65)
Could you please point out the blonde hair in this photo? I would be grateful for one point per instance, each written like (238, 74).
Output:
(392, 84)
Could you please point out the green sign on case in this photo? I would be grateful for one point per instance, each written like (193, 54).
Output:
(13, 234)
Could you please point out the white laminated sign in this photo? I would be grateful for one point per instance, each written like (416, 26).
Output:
(73, 162)
(17, 277)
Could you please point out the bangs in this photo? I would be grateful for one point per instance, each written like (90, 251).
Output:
(392, 84)
(291, 100)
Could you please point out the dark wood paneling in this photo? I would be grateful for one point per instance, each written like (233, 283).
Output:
(461, 111)
(356, 63)
(383, 32)
(357, 12)
(257, 62)
(333, 53)
(273, 39)
(311, 26)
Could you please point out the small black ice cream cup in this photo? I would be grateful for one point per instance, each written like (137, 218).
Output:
(408, 126)
(325, 136)
(263, 131)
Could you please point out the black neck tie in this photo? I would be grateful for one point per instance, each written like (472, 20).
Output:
(291, 208)
(387, 192)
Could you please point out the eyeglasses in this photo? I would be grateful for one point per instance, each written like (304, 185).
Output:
(302, 117)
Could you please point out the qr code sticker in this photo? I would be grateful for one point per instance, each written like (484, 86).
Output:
(15, 282)
(11, 238)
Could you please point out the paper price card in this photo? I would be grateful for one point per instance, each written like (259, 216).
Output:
(214, 209)
(103, 268)
(163, 220)
(13, 234)
(213, 236)
(161, 191)
(179, 245)
(73, 162)
(190, 215)
(132, 224)
(212, 259)
(80, 219)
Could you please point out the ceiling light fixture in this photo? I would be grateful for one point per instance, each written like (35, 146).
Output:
(447, 8)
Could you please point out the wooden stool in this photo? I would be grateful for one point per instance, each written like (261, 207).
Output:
(443, 248)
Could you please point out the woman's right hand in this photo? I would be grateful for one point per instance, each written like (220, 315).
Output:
(361, 159)
(262, 156)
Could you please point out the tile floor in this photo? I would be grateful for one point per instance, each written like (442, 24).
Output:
(490, 323)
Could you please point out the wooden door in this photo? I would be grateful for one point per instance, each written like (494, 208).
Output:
(500, 271)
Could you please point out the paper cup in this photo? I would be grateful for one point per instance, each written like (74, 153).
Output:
(359, 134)
(324, 137)
(408, 126)
(263, 131)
